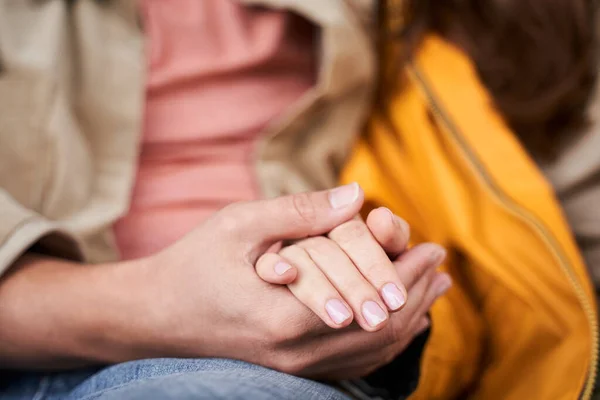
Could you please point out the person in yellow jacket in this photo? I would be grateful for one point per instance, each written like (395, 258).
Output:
(486, 139)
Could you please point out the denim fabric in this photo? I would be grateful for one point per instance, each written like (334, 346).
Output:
(166, 379)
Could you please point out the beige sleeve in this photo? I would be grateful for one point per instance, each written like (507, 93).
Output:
(21, 228)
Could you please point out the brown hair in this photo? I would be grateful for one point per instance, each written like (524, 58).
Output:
(536, 57)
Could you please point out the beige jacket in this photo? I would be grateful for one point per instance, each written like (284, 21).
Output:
(71, 99)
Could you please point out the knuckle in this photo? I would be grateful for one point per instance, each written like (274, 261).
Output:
(283, 331)
(376, 268)
(414, 270)
(396, 329)
(414, 264)
(228, 224)
(231, 219)
(271, 332)
(350, 231)
(358, 291)
(387, 356)
(389, 334)
(294, 252)
(304, 208)
(274, 335)
(320, 245)
(290, 332)
(293, 362)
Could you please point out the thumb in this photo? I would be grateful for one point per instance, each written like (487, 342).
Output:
(260, 224)
(391, 232)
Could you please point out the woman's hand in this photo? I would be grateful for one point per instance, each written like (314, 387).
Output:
(347, 275)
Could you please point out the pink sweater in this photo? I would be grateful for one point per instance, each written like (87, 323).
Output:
(218, 72)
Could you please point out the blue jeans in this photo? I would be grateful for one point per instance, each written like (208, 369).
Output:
(167, 379)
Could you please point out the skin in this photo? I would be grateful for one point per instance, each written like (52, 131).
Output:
(349, 267)
(201, 297)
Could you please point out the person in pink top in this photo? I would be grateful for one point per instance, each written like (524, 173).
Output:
(195, 158)
(226, 84)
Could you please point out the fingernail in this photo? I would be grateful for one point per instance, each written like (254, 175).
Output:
(281, 268)
(393, 296)
(403, 225)
(444, 285)
(390, 213)
(437, 255)
(344, 196)
(396, 220)
(373, 313)
(337, 311)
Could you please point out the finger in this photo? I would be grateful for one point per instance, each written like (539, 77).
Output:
(259, 224)
(439, 285)
(415, 262)
(423, 292)
(423, 295)
(399, 329)
(275, 247)
(422, 325)
(272, 268)
(378, 355)
(343, 351)
(369, 311)
(416, 329)
(414, 306)
(401, 319)
(315, 291)
(352, 348)
(391, 232)
(356, 240)
(418, 266)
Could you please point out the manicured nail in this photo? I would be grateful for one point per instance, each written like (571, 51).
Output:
(444, 285)
(403, 225)
(281, 268)
(396, 220)
(373, 313)
(337, 311)
(389, 213)
(344, 196)
(393, 296)
(437, 255)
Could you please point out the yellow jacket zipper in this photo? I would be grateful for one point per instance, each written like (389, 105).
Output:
(511, 207)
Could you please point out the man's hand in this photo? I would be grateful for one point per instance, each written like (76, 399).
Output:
(202, 298)
(223, 309)
(182, 301)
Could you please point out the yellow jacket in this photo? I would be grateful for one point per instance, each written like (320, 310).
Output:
(520, 322)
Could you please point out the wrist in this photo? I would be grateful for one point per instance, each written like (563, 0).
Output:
(123, 313)
(56, 314)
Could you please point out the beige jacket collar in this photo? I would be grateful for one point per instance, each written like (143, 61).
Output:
(72, 94)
